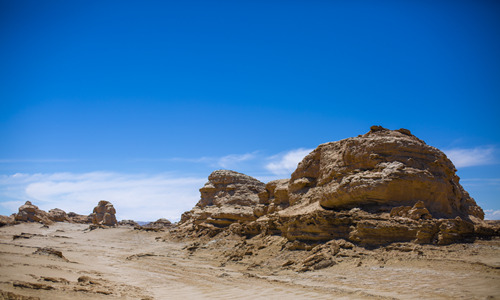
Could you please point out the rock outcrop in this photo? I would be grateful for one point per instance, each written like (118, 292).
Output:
(104, 214)
(382, 187)
(80, 219)
(31, 213)
(384, 169)
(7, 220)
(58, 215)
(226, 198)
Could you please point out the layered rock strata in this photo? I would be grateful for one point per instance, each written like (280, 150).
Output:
(378, 188)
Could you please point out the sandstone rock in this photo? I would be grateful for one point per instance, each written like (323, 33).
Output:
(58, 215)
(383, 187)
(6, 220)
(104, 214)
(226, 198)
(30, 213)
(417, 212)
(225, 187)
(80, 219)
(158, 225)
(381, 169)
(128, 223)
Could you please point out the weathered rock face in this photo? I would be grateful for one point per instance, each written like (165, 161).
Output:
(58, 215)
(30, 213)
(6, 220)
(226, 187)
(378, 188)
(80, 219)
(104, 214)
(383, 168)
(226, 198)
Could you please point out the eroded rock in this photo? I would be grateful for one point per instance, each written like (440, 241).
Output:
(382, 169)
(58, 215)
(383, 187)
(31, 213)
(104, 214)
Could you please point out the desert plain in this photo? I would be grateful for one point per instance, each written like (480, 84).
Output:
(124, 263)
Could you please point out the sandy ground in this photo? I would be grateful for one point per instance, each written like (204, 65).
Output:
(123, 263)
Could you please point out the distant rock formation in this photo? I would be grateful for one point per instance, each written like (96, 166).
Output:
(7, 220)
(30, 213)
(80, 219)
(58, 215)
(104, 214)
(381, 187)
(128, 223)
(158, 225)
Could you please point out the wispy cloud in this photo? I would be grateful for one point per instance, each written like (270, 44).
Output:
(285, 163)
(228, 161)
(138, 197)
(470, 157)
(490, 214)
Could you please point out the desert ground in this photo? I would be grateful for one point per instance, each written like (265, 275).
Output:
(123, 263)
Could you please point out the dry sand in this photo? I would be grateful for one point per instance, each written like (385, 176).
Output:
(123, 263)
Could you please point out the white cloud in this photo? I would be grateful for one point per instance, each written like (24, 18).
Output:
(135, 196)
(471, 157)
(490, 214)
(286, 163)
(229, 161)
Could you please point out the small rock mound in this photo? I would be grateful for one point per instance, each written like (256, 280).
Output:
(128, 223)
(7, 220)
(104, 214)
(157, 225)
(80, 219)
(58, 215)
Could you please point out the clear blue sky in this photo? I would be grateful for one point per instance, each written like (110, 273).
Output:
(125, 100)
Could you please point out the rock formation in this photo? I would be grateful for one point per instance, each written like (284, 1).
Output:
(80, 219)
(30, 213)
(58, 215)
(7, 220)
(104, 214)
(378, 188)
(226, 198)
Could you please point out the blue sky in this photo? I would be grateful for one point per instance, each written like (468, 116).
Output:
(136, 102)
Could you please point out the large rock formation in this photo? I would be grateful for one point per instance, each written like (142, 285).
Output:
(384, 169)
(104, 214)
(381, 187)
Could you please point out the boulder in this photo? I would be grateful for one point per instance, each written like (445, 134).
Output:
(30, 213)
(104, 214)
